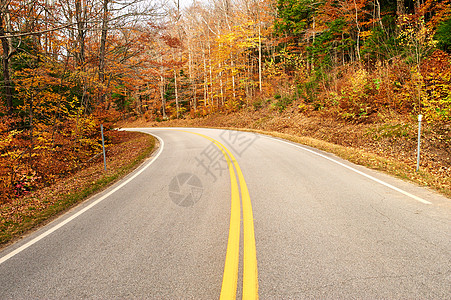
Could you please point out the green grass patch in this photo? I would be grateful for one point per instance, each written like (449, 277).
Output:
(282, 103)
(391, 131)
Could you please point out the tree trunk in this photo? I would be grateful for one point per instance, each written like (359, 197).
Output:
(163, 100)
(313, 42)
(211, 76)
(191, 77)
(205, 80)
(259, 56)
(358, 32)
(102, 51)
(233, 76)
(176, 95)
(221, 84)
(400, 8)
(8, 90)
(80, 33)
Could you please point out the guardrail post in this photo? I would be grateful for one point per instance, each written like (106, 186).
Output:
(419, 141)
(103, 147)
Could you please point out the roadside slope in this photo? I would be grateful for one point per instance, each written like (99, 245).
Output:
(388, 146)
(41, 206)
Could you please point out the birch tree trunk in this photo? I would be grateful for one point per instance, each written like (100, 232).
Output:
(233, 76)
(205, 80)
(259, 57)
(176, 94)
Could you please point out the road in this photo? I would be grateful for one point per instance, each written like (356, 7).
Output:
(213, 209)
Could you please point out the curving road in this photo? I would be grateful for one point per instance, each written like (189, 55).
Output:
(218, 213)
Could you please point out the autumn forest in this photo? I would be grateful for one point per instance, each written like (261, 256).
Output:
(70, 65)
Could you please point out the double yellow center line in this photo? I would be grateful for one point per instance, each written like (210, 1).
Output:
(250, 272)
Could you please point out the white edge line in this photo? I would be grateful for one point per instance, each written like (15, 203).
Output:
(355, 170)
(58, 226)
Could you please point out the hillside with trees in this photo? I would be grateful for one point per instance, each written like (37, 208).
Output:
(70, 65)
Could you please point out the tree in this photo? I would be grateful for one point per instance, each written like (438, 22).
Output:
(7, 53)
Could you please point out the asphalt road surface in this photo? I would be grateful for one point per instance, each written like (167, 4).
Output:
(218, 213)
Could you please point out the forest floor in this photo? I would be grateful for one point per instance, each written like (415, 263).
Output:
(388, 145)
(126, 151)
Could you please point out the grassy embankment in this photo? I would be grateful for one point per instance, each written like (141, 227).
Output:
(41, 206)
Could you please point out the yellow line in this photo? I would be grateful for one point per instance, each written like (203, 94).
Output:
(230, 275)
(250, 271)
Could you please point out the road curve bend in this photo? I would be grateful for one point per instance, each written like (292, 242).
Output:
(227, 214)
